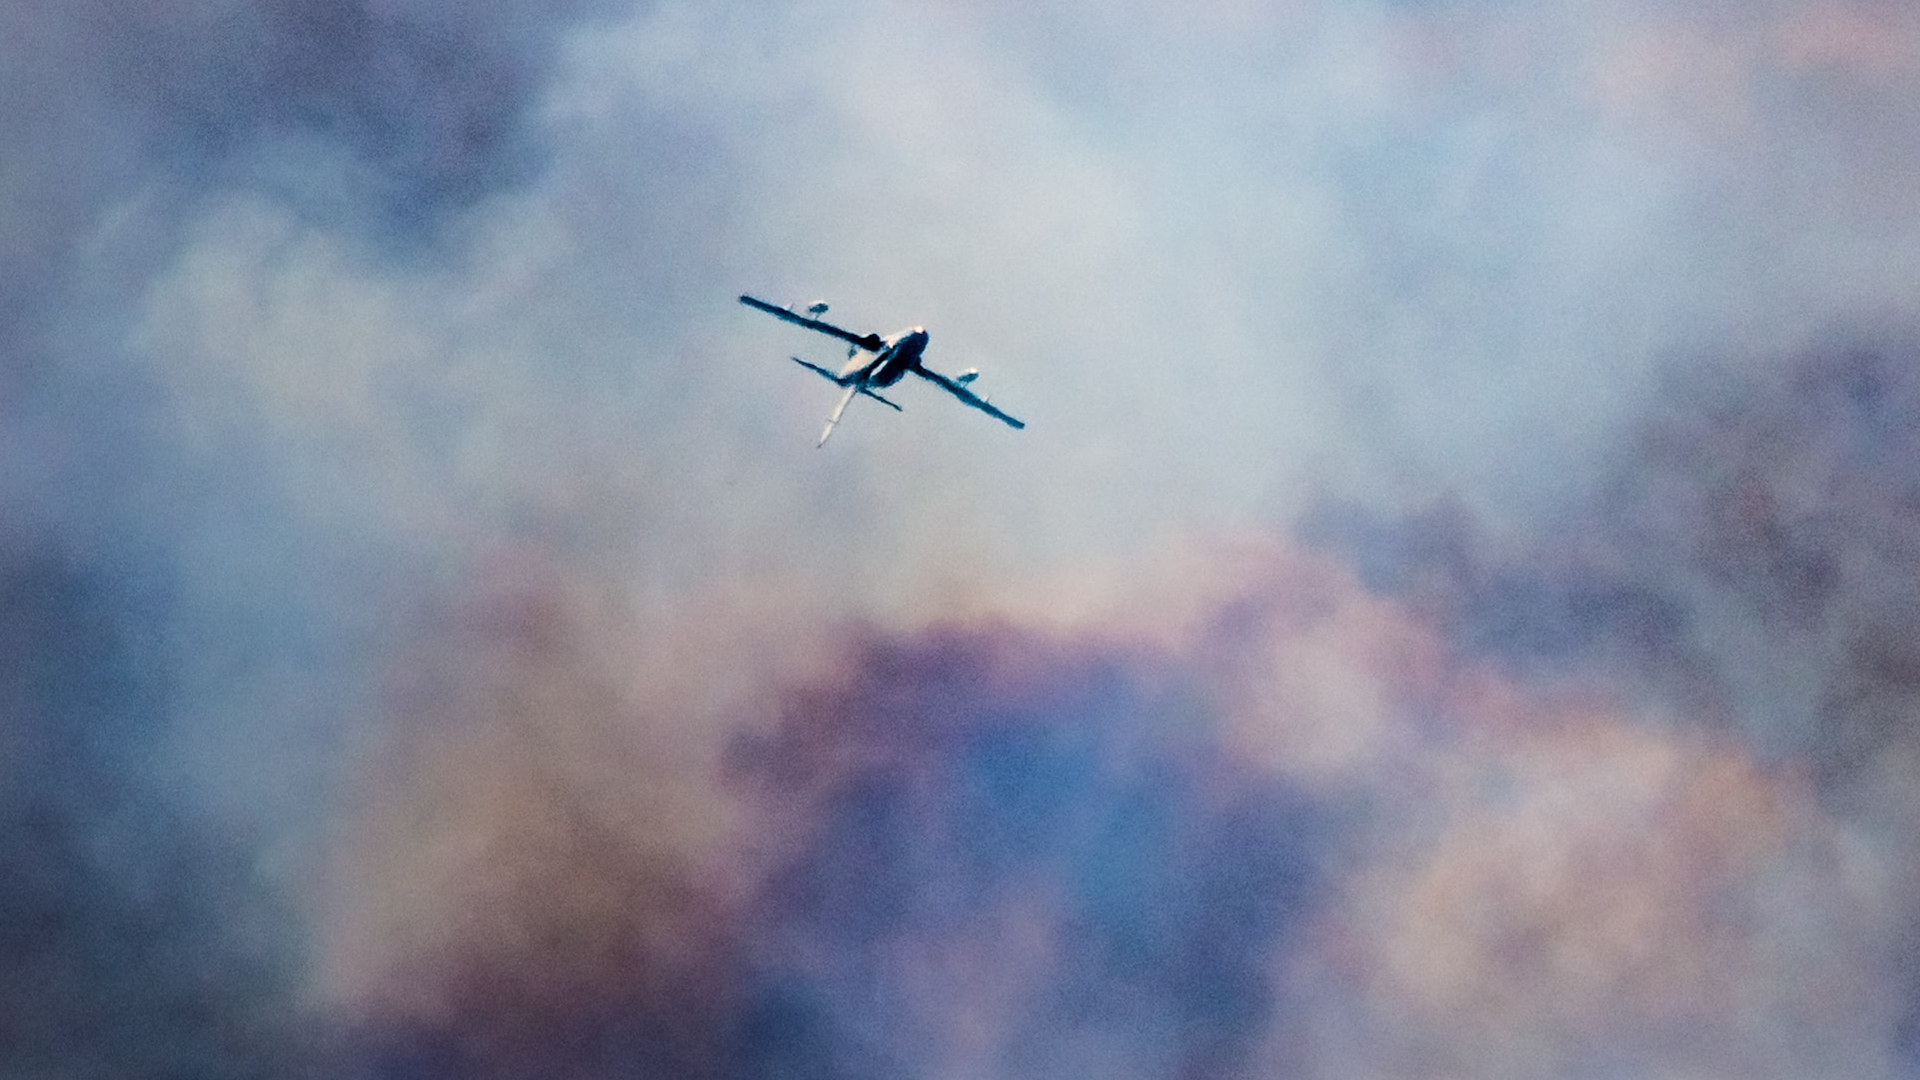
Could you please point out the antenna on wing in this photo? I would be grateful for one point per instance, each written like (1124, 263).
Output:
(819, 308)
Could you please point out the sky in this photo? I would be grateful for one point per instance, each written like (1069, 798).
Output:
(1452, 611)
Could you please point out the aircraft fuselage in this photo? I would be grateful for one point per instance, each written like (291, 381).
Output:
(899, 355)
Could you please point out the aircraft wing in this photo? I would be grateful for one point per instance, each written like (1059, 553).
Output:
(869, 342)
(968, 396)
(847, 381)
(830, 376)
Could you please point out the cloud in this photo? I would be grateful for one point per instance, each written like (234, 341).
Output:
(1596, 897)
(1744, 560)
(1306, 830)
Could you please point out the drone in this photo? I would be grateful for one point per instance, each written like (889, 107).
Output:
(875, 363)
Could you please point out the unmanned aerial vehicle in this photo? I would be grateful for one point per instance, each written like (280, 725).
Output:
(890, 360)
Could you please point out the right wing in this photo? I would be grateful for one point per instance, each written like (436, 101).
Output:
(869, 342)
(968, 396)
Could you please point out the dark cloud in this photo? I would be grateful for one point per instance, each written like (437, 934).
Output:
(1781, 504)
(1754, 543)
(1018, 856)
(391, 113)
(429, 104)
(135, 944)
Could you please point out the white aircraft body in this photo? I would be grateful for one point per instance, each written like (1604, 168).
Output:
(893, 357)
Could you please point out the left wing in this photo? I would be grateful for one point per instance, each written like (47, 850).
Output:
(823, 372)
(968, 396)
(847, 380)
(869, 342)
